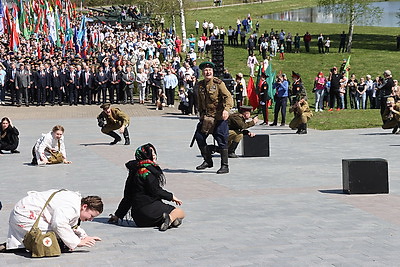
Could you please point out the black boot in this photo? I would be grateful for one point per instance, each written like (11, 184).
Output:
(213, 149)
(303, 128)
(224, 162)
(207, 163)
(126, 136)
(231, 150)
(116, 137)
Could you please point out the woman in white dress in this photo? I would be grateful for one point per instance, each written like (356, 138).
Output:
(49, 143)
(62, 215)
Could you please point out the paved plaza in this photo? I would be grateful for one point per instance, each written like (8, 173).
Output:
(284, 210)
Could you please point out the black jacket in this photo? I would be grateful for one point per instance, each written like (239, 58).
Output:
(10, 140)
(140, 192)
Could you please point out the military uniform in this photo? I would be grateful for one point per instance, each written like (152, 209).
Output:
(391, 119)
(302, 114)
(114, 121)
(213, 99)
(264, 98)
(237, 128)
(298, 92)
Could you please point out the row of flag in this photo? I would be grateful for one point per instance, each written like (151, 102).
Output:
(50, 18)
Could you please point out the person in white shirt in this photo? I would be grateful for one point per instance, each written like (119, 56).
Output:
(49, 143)
(62, 215)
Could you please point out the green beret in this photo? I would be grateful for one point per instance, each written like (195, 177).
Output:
(245, 108)
(206, 64)
(105, 106)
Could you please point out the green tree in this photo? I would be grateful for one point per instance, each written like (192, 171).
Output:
(349, 11)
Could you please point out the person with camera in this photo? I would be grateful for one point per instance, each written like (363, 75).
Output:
(334, 93)
(391, 115)
(214, 104)
(238, 124)
(282, 92)
(111, 119)
(385, 89)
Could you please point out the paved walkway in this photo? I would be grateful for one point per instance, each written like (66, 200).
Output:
(284, 210)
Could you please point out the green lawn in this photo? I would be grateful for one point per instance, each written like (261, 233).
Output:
(374, 50)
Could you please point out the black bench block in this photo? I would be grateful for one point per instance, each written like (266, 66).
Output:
(365, 176)
(257, 146)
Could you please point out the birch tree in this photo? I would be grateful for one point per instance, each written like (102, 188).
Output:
(351, 11)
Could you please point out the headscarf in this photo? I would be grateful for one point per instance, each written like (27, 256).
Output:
(146, 165)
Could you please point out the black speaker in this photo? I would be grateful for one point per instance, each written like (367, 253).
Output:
(365, 176)
(217, 53)
(257, 146)
(230, 84)
(217, 42)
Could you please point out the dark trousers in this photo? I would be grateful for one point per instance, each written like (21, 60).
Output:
(73, 94)
(352, 97)
(230, 40)
(372, 100)
(8, 147)
(289, 47)
(2, 93)
(280, 105)
(13, 93)
(192, 100)
(220, 134)
(57, 91)
(307, 46)
(154, 94)
(41, 98)
(170, 93)
(334, 94)
(111, 92)
(321, 48)
(87, 94)
(342, 47)
(103, 92)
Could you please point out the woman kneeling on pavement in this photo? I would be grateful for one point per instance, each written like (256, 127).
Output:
(143, 194)
(50, 148)
(8, 136)
(62, 215)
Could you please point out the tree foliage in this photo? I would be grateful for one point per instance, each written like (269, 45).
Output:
(350, 12)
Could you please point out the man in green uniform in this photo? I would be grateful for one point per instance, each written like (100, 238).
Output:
(302, 114)
(238, 123)
(114, 119)
(214, 104)
(391, 115)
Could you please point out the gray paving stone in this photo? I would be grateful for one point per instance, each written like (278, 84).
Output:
(284, 210)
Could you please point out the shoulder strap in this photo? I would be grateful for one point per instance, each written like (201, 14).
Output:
(45, 205)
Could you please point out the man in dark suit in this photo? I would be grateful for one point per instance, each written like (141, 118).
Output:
(63, 76)
(115, 79)
(102, 80)
(155, 80)
(10, 82)
(22, 83)
(87, 82)
(56, 86)
(71, 83)
(42, 83)
(78, 85)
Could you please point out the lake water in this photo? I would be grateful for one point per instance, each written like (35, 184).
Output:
(317, 14)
